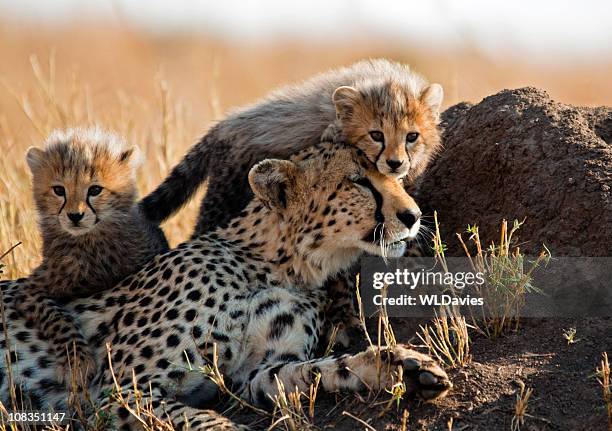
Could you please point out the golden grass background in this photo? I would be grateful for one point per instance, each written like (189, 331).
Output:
(163, 92)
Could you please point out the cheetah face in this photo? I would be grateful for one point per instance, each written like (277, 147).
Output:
(80, 181)
(396, 130)
(335, 200)
(77, 202)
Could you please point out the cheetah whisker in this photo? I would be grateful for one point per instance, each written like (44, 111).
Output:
(383, 247)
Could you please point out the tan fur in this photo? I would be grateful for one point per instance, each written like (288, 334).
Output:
(252, 293)
(395, 110)
(109, 240)
(75, 160)
(337, 213)
(372, 95)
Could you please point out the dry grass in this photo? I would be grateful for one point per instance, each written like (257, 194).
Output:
(520, 407)
(448, 340)
(164, 92)
(212, 372)
(447, 336)
(508, 278)
(46, 109)
(395, 394)
(603, 377)
(135, 401)
(364, 423)
(289, 409)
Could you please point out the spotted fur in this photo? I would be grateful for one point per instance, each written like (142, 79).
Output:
(369, 96)
(93, 234)
(250, 291)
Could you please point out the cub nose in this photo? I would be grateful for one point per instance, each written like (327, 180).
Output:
(394, 164)
(409, 217)
(75, 217)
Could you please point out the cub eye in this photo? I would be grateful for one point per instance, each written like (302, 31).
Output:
(94, 191)
(377, 136)
(412, 137)
(59, 190)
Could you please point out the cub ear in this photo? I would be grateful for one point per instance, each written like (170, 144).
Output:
(432, 96)
(35, 158)
(270, 180)
(132, 157)
(345, 98)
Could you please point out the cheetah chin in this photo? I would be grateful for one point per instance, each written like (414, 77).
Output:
(393, 249)
(396, 249)
(395, 245)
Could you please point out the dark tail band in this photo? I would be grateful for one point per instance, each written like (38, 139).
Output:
(178, 187)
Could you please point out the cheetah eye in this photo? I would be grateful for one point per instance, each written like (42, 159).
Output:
(377, 136)
(59, 191)
(412, 137)
(94, 191)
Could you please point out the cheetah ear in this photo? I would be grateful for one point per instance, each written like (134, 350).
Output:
(432, 96)
(270, 180)
(132, 157)
(35, 158)
(345, 98)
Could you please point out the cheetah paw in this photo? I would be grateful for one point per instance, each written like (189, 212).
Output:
(423, 377)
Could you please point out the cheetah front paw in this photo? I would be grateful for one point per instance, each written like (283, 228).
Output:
(423, 377)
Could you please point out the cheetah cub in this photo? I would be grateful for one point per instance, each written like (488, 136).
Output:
(92, 231)
(379, 106)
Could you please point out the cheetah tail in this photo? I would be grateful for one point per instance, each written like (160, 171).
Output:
(184, 180)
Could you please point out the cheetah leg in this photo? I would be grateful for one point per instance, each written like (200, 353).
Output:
(341, 312)
(181, 416)
(60, 328)
(422, 376)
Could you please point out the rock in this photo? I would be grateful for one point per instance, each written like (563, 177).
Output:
(520, 155)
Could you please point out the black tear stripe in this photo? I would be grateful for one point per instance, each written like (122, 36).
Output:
(92, 208)
(382, 150)
(63, 205)
(378, 214)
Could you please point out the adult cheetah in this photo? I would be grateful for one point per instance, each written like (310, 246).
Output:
(379, 106)
(252, 290)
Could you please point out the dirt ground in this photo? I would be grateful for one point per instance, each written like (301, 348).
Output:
(566, 395)
(517, 154)
(520, 155)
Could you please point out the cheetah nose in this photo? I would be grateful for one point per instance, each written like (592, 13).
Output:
(394, 164)
(409, 217)
(75, 217)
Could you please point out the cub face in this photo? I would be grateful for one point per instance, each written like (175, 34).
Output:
(335, 199)
(395, 128)
(81, 179)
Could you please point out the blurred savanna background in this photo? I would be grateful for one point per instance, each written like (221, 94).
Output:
(161, 73)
